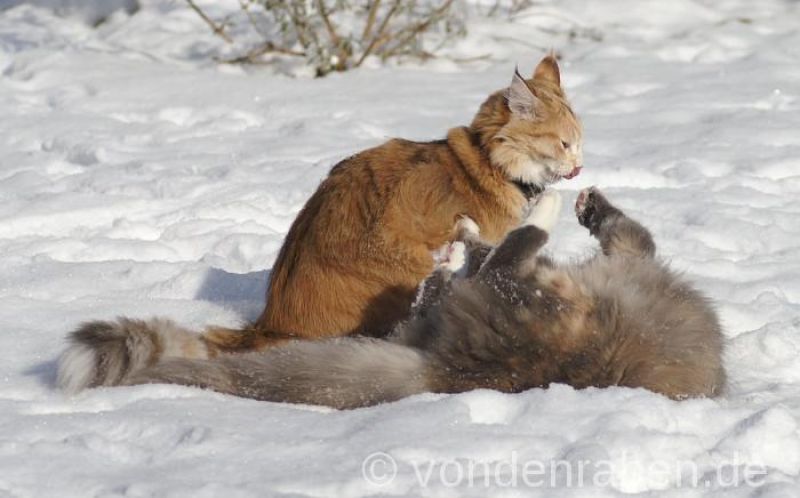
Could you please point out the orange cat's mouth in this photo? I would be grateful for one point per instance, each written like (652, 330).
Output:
(575, 172)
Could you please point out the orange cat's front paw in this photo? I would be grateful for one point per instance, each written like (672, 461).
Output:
(544, 210)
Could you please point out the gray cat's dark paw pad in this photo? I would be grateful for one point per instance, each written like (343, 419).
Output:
(586, 206)
(592, 208)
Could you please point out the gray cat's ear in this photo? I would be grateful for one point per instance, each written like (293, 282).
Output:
(521, 100)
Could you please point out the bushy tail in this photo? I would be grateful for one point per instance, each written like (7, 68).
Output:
(104, 353)
(341, 373)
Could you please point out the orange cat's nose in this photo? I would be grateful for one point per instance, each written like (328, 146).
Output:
(575, 171)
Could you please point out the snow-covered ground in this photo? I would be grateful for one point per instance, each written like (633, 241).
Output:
(138, 178)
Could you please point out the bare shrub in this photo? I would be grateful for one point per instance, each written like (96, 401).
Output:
(337, 35)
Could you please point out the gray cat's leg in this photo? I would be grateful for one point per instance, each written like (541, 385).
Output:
(408, 332)
(461, 258)
(449, 261)
(618, 234)
(518, 250)
(431, 290)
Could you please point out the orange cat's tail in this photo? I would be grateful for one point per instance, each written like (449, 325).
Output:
(102, 353)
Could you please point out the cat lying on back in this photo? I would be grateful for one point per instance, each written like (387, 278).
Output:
(517, 321)
(357, 251)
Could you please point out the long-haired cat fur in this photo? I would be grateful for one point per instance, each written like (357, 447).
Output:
(359, 248)
(515, 321)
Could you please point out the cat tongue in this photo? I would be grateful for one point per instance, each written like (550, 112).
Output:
(573, 173)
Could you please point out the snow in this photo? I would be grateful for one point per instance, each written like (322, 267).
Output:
(139, 178)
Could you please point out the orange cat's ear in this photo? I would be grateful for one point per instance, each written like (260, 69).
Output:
(521, 100)
(547, 70)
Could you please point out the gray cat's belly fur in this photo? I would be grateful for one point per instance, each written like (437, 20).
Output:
(637, 324)
(621, 318)
(666, 333)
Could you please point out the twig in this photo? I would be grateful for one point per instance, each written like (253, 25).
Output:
(373, 12)
(327, 22)
(417, 29)
(245, 5)
(380, 33)
(335, 40)
(268, 47)
(216, 28)
(295, 17)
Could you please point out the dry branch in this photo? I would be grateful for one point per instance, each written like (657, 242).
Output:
(216, 28)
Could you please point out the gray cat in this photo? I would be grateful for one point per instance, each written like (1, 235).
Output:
(513, 321)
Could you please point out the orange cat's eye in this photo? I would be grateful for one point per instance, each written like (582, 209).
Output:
(564, 144)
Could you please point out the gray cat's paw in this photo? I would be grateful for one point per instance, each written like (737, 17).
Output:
(451, 256)
(591, 207)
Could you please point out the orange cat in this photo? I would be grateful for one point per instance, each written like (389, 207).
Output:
(357, 251)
